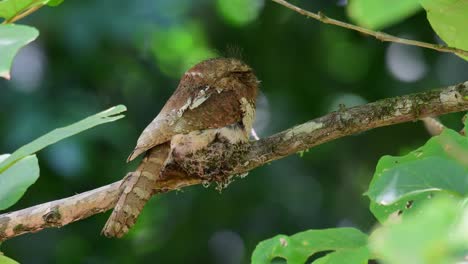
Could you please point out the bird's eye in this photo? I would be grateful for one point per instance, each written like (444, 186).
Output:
(243, 76)
(240, 72)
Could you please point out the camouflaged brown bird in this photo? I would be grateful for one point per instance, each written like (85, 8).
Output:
(214, 99)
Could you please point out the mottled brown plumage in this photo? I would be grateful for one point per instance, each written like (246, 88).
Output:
(136, 191)
(215, 98)
(221, 81)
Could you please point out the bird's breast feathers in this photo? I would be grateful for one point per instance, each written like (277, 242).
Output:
(208, 108)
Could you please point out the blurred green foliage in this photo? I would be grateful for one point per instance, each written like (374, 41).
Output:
(240, 12)
(179, 47)
(93, 54)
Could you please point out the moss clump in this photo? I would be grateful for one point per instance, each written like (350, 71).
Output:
(19, 228)
(214, 163)
(52, 217)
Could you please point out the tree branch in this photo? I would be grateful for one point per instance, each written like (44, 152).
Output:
(220, 160)
(378, 35)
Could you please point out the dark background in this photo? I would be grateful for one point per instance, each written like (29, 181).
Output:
(92, 55)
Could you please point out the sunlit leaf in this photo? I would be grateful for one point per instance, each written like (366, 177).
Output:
(15, 180)
(349, 246)
(408, 205)
(58, 134)
(377, 14)
(6, 260)
(449, 19)
(12, 38)
(10, 8)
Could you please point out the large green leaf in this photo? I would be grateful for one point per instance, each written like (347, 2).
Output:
(440, 165)
(436, 234)
(349, 245)
(15, 180)
(6, 260)
(377, 14)
(58, 134)
(12, 38)
(449, 18)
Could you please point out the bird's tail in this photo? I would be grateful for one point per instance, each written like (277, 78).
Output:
(137, 188)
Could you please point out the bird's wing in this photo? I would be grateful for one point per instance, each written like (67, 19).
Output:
(209, 108)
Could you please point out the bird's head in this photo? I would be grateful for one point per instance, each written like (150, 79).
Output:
(224, 73)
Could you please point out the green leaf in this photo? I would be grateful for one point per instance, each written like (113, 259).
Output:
(449, 19)
(10, 8)
(408, 205)
(15, 181)
(54, 2)
(12, 38)
(440, 165)
(58, 134)
(6, 260)
(377, 14)
(355, 255)
(437, 234)
(349, 245)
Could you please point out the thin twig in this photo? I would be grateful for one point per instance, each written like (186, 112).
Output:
(378, 35)
(245, 157)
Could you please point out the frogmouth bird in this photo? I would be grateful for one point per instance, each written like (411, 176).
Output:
(214, 99)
